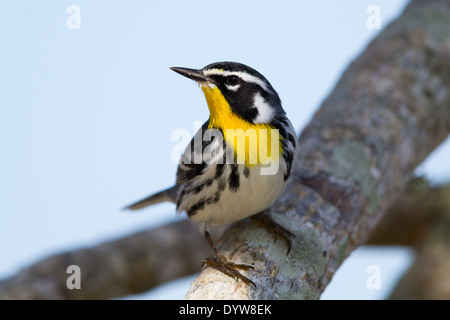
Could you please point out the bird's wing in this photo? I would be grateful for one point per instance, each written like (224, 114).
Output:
(192, 163)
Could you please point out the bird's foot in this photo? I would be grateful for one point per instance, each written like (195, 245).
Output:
(267, 222)
(229, 268)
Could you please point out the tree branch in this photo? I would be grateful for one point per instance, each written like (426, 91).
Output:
(412, 219)
(116, 268)
(428, 277)
(390, 109)
(421, 219)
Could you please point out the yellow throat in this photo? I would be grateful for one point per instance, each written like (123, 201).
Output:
(252, 143)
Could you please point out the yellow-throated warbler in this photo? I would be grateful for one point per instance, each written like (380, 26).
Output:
(239, 162)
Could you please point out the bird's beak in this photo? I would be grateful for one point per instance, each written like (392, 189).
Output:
(193, 74)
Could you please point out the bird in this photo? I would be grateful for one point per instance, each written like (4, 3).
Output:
(240, 160)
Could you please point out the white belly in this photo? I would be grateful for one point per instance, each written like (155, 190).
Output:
(255, 193)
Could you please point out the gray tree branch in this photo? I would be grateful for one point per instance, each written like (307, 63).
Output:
(413, 218)
(389, 110)
(115, 268)
(421, 219)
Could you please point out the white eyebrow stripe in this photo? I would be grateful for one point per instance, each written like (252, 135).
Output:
(243, 75)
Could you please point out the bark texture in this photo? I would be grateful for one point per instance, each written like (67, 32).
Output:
(389, 110)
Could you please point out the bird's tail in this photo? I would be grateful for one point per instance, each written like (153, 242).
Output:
(162, 196)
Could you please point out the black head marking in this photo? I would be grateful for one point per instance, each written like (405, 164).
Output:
(239, 85)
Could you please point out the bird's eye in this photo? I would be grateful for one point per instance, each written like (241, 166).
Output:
(232, 80)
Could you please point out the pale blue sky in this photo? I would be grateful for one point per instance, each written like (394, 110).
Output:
(86, 116)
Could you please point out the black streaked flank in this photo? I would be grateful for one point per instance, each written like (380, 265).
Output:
(233, 181)
(221, 184)
(196, 207)
(246, 172)
(219, 170)
(209, 182)
(215, 198)
(199, 188)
